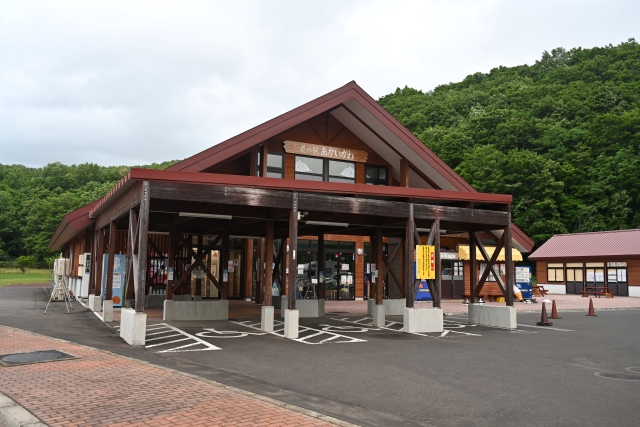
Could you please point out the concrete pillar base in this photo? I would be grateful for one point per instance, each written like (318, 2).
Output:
(266, 318)
(377, 312)
(392, 307)
(107, 311)
(95, 303)
(291, 320)
(133, 326)
(422, 320)
(499, 317)
(168, 312)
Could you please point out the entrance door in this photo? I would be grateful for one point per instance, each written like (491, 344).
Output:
(452, 279)
(617, 281)
(339, 270)
(595, 274)
(575, 278)
(307, 277)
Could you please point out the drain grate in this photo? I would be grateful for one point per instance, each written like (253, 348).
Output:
(615, 376)
(34, 357)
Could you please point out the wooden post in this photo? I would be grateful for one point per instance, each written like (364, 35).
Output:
(199, 252)
(248, 261)
(409, 283)
(171, 262)
(438, 280)
(94, 262)
(293, 249)
(260, 287)
(224, 264)
(404, 173)
(268, 258)
(379, 264)
(473, 266)
(372, 260)
(263, 165)
(143, 241)
(98, 262)
(508, 263)
(108, 293)
(320, 266)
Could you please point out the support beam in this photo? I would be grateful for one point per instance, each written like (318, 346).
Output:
(199, 277)
(108, 293)
(132, 250)
(490, 263)
(473, 267)
(268, 258)
(293, 249)
(379, 264)
(143, 238)
(409, 247)
(320, 266)
(248, 261)
(171, 263)
(98, 262)
(508, 266)
(94, 262)
(224, 264)
(438, 280)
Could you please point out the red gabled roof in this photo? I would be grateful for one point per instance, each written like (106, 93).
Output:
(590, 245)
(277, 125)
(72, 224)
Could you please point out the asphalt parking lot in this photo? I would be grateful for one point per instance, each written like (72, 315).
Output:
(580, 372)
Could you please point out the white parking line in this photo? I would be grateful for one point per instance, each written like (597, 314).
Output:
(547, 327)
(306, 335)
(397, 327)
(162, 331)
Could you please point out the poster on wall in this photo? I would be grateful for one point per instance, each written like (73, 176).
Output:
(118, 271)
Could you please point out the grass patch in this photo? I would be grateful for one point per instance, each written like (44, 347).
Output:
(13, 276)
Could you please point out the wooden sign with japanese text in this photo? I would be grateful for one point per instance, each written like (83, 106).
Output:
(326, 152)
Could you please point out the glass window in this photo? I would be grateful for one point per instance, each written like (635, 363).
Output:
(342, 171)
(309, 168)
(555, 272)
(275, 165)
(376, 175)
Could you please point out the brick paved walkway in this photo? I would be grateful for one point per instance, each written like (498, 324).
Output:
(103, 389)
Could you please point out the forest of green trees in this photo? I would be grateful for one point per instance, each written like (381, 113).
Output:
(562, 136)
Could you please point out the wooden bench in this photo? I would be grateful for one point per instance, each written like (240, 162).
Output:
(539, 290)
(597, 291)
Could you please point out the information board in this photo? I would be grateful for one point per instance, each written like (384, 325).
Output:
(425, 262)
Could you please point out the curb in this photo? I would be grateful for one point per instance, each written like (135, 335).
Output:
(38, 423)
(14, 415)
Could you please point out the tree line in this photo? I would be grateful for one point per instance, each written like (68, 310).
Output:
(561, 136)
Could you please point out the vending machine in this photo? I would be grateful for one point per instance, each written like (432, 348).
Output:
(523, 282)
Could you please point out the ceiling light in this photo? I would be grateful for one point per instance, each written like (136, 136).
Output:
(333, 224)
(204, 215)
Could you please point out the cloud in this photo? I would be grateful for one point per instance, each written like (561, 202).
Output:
(136, 82)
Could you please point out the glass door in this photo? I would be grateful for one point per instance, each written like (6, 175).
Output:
(617, 280)
(594, 273)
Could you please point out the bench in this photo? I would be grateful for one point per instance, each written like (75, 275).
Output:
(539, 290)
(597, 291)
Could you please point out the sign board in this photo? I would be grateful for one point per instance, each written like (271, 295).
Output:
(425, 262)
(326, 152)
(118, 271)
(345, 267)
(449, 255)
(170, 274)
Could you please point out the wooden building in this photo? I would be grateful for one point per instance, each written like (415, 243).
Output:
(567, 263)
(313, 202)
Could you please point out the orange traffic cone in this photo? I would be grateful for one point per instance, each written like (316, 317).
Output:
(544, 321)
(554, 311)
(592, 312)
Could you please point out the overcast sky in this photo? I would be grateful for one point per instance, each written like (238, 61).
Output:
(136, 82)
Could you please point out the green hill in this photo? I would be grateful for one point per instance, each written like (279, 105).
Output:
(560, 135)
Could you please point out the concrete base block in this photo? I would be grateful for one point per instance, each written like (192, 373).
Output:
(310, 307)
(634, 291)
(196, 310)
(154, 301)
(377, 312)
(393, 307)
(422, 320)
(133, 326)
(291, 318)
(266, 318)
(498, 317)
(107, 311)
(275, 300)
(95, 302)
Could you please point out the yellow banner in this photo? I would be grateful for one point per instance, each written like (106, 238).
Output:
(425, 262)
